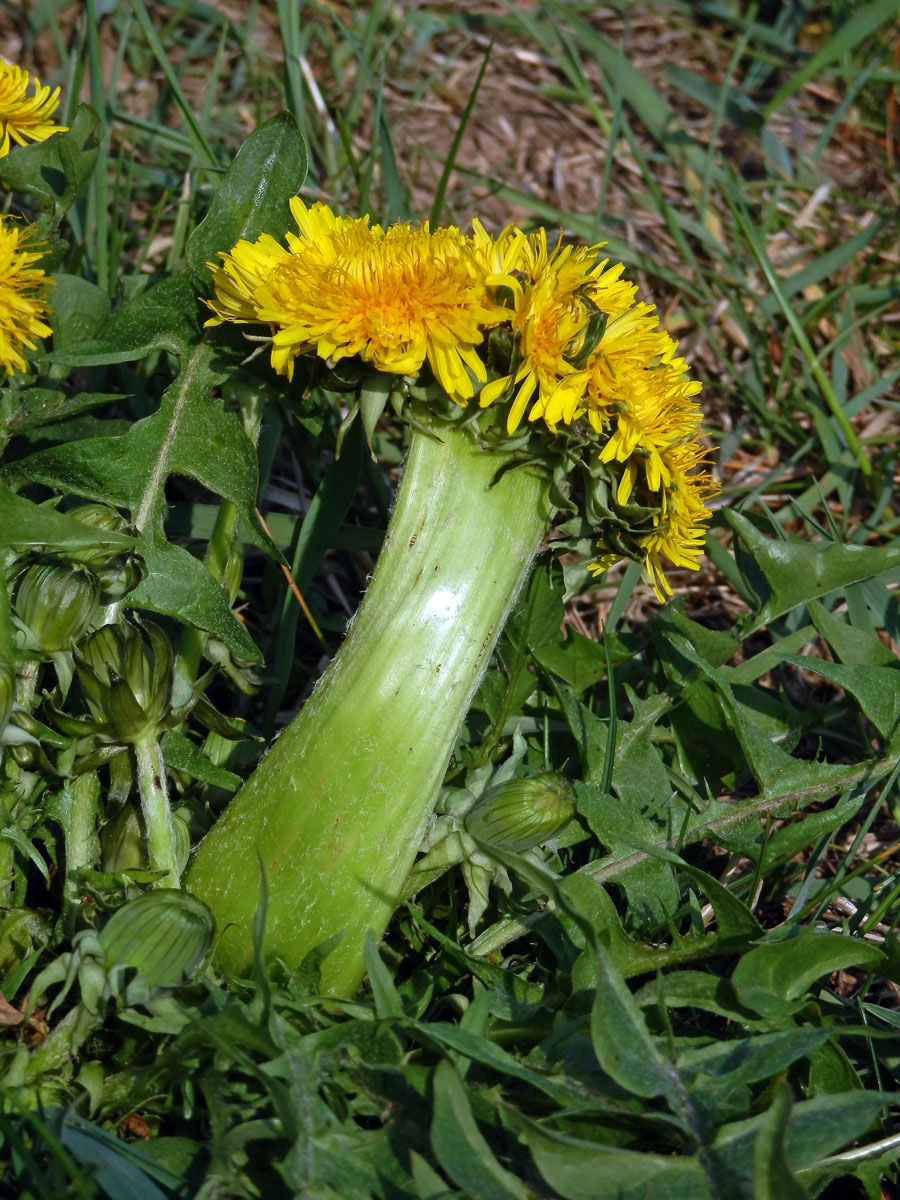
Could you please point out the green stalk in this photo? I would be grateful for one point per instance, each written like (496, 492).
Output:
(158, 824)
(337, 808)
(221, 546)
(80, 801)
(6, 625)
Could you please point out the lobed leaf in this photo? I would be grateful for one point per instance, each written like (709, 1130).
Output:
(164, 317)
(179, 585)
(784, 574)
(853, 646)
(773, 978)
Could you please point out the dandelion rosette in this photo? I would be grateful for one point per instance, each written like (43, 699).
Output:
(25, 118)
(565, 363)
(22, 290)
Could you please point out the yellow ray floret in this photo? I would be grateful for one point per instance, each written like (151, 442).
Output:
(22, 288)
(655, 412)
(24, 118)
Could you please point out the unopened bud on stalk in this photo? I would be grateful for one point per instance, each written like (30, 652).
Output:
(23, 754)
(163, 934)
(56, 602)
(120, 575)
(117, 573)
(522, 813)
(97, 516)
(240, 673)
(128, 683)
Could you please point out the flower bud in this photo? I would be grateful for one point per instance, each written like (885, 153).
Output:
(56, 602)
(522, 813)
(23, 754)
(26, 722)
(240, 673)
(128, 683)
(118, 573)
(163, 934)
(95, 516)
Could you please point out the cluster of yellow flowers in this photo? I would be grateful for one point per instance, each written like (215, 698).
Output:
(23, 119)
(551, 332)
(581, 351)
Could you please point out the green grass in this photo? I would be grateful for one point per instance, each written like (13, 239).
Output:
(692, 993)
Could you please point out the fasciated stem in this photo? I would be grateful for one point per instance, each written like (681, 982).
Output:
(336, 810)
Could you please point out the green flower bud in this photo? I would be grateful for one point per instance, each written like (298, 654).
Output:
(117, 573)
(95, 516)
(239, 672)
(120, 575)
(522, 813)
(57, 603)
(164, 934)
(7, 691)
(128, 682)
(24, 754)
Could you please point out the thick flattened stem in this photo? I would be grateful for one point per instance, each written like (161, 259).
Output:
(336, 810)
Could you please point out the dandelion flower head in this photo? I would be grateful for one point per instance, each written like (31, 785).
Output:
(24, 118)
(344, 288)
(556, 297)
(553, 333)
(22, 290)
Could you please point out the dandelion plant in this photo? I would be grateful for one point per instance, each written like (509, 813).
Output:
(534, 385)
(726, 764)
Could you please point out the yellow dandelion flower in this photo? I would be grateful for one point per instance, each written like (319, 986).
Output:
(239, 280)
(344, 288)
(502, 256)
(632, 342)
(655, 415)
(557, 294)
(326, 237)
(679, 529)
(24, 118)
(22, 286)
